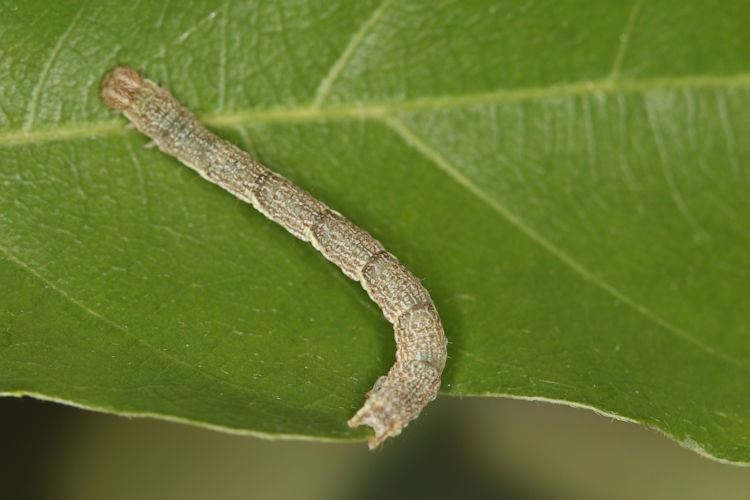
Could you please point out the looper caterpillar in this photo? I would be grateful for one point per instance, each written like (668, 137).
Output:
(414, 380)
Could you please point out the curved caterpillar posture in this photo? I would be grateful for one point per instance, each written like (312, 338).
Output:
(414, 380)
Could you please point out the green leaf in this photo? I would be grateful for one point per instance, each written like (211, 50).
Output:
(570, 179)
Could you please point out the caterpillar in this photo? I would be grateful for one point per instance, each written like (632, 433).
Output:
(396, 398)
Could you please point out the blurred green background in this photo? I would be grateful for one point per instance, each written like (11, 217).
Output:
(466, 448)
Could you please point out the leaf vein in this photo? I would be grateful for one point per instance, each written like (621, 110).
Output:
(36, 93)
(625, 41)
(114, 324)
(699, 234)
(223, 58)
(441, 162)
(324, 88)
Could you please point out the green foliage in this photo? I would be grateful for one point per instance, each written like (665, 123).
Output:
(570, 179)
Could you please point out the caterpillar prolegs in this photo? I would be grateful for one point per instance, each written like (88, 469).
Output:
(414, 380)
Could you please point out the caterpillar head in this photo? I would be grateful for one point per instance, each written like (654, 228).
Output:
(120, 87)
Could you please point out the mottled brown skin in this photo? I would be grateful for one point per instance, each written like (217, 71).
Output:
(396, 398)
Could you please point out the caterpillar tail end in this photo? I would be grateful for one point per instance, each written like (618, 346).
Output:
(396, 399)
(372, 415)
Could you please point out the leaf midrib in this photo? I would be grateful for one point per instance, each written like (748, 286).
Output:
(383, 109)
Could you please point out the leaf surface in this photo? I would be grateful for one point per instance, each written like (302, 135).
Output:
(570, 180)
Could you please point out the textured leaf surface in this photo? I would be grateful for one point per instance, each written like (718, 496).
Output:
(570, 179)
